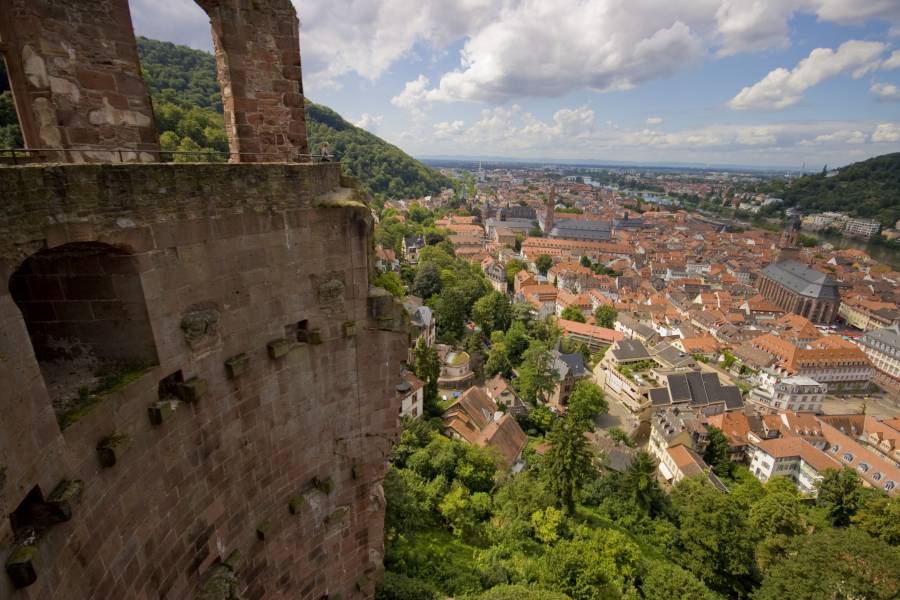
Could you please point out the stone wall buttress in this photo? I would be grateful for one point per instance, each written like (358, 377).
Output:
(258, 62)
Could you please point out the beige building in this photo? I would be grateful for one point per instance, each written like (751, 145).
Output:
(883, 349)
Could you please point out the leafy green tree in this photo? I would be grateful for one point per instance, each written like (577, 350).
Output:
(536, 375)
(546, 524)
(776, 519)
(543, 264)
(516, 342)
(834, 563)
(450, 312)
(718, 452)
(497, 359)
(841, 495)
(880, 518)
(641, 486)
(728, 360)
(572, 313)
(400, 587)
(10, 132)
(666, 581)
(714, 541)
(617, 434)
(391, 282)
(428, 368)
(464, 510)
(515, 503)
(512, 267)
(605, 316)
(428, 281)
(568, 464)
(585, 261)
(492, 312)
(599, 563)
(586, 402)
(518, 592)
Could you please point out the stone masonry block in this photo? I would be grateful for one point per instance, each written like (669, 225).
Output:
(349, 329)
(279, 348)
(22, 567)
(233, 561)
(314, 336)
(237, 365)
(111, 448)
(162, 410)
(63, 497)
(323, 484)
(296, 505)
(193, 390)
(337, 516)
(263, 530)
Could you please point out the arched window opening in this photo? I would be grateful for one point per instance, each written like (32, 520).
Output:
(83, 305)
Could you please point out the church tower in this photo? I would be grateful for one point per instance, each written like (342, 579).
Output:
(789, 244)
(549, 211)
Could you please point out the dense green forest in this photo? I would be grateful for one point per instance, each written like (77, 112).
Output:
(188, 107)
(870, 188)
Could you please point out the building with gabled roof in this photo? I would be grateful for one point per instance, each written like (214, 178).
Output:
(475, 419)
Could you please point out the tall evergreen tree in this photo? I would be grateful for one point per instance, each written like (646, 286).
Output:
(568, 465)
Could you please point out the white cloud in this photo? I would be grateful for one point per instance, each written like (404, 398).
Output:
(414, 96)
(598, 44)
(887, 133)
(654, 120)
(893, 61)
(369, 122)
(782, 88)
(844, 136)
(575, 133)
(449, 129)
(524, 47)
(886, 92)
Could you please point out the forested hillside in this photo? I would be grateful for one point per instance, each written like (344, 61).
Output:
(870, 188)
(188, 107)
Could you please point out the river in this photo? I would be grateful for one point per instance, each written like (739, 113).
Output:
(883, 254)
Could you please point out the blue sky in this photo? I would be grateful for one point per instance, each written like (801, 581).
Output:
(756, 82)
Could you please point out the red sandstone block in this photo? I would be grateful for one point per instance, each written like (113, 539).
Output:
(136, 239)
(95, 80)
(129, 84)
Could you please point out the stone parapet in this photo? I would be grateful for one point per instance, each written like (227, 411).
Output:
(185, 456)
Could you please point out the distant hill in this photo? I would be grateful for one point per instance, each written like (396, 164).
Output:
(870, 188)
(188, 108)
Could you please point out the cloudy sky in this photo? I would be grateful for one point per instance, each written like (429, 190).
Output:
(756, 82)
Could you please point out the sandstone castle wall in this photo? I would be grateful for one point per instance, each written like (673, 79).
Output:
(267, 421)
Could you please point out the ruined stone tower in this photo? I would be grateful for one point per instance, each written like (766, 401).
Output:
(198, 380)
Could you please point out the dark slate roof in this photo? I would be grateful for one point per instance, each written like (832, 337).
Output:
(628, 223)
(802, 280)
(659, 397)
(886, 341)
(700, 389)
(514, 224)
(517, 212)
(571, 364)
(582, 230)
(678, 388)
(630, 350)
